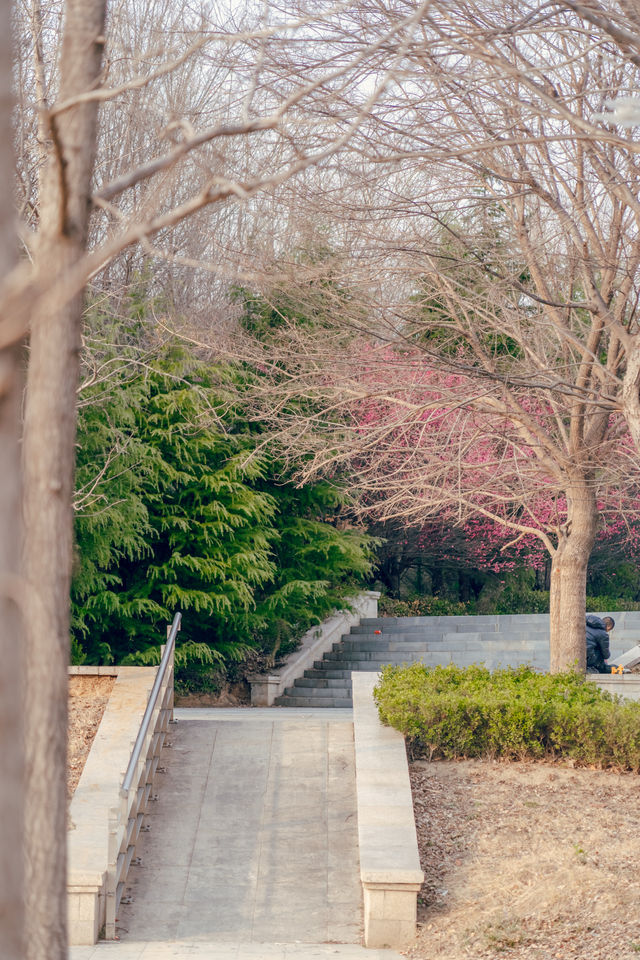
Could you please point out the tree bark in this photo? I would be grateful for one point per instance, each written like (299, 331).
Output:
(48, 477)
(12, 781)
(569, 581)
(631, 390)
(48, 451)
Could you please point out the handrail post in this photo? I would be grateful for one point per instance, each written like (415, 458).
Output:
(112, 878)
(173, 672)
(133, 800)
(167, 658)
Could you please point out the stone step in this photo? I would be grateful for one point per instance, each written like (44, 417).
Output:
(449, 642)
(286, 701)
(624, 637)
(321, 673)
(321, 693)
(508, 641)
(412, 633)
(541, 662)
(425, 621)
(508, 619)
(421, 630)
(624, 620)
(428, 659)
(324, 682)
(474, 652)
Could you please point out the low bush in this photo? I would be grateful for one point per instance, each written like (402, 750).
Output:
(602, 604)
(451, 713)
(509, 601)
(525, 600)
(424, 607)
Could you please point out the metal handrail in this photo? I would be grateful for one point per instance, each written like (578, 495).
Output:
(146, 720)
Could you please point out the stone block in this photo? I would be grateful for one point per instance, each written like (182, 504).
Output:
(264, 690)
(401, 904)
(85, 909)
(389, 862)
(386, 934)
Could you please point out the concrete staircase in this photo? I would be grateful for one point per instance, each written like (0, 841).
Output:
(495, 641)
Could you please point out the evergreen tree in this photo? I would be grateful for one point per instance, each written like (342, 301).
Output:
(178, 510)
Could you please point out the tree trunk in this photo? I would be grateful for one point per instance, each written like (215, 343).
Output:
(12, 780)
(48, 477)
(631, 390)
(48, 452)
(569, 581)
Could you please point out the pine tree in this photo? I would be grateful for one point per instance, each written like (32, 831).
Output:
(188, 515)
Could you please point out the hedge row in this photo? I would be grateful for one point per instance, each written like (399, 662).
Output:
(451, 712)
(522, 600)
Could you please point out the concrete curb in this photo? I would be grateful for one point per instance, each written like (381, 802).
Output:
(82, 671)
(228, 950)
(389, 860)
(97, 792)
(623, 686)
(315, 642)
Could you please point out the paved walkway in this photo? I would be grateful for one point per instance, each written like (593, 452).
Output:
(253, 847)
(198, 950)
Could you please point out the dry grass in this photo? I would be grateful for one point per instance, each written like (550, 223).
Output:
(527, 860)
(88, 698)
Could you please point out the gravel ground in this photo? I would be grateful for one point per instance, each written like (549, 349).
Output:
(532, 861)
(87, 701)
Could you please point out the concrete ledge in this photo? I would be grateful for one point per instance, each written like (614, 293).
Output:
(389, 860)
(624, 686)
(315, 642)
(111, 671)
(97, 792)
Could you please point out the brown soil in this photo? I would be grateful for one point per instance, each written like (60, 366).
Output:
(231, 695)
(531, 861)
(87, 701)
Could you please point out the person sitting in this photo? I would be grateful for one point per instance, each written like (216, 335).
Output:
(598, 649)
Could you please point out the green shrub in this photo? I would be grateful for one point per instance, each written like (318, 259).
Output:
(525, 600)
(601, 604)
(512, 600)
(455, 712)
(179, 508)
(424, 607)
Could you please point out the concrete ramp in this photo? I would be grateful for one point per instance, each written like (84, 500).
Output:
(201, 950)
(253, 837)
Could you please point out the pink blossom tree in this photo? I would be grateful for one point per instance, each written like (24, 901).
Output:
(494, 239)
(420, 443)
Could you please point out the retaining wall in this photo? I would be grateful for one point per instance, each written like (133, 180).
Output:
(97, 793)
(314, 644)
(389, 859)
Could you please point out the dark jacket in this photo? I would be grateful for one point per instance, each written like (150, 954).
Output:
(597, 644)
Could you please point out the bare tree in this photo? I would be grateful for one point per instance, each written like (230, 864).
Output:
(205, 123)
(570, 196)
(12, 599)
(494, 96)
(49, 436)
(619, 20)
(488, 190)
